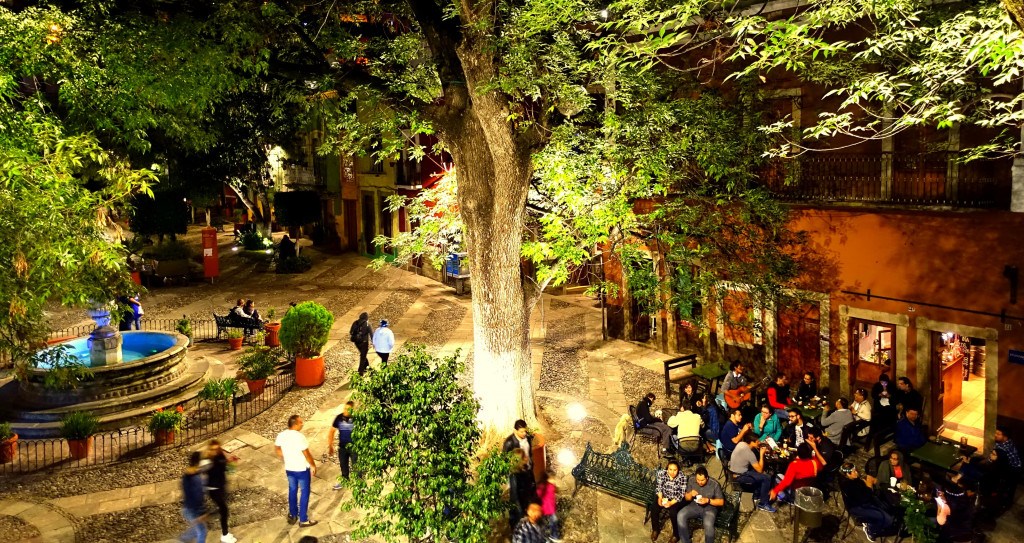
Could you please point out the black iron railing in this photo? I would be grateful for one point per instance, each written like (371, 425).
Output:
(933, 179)
(201, 328)
(203, 420)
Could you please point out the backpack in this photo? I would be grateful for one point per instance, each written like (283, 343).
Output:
(360, 332)
(344, 427)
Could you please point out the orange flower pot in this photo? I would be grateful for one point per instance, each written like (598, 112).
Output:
(256, 386)
(9, 449)
(80, 448)
(164, 437)
(309, 372)
(272, 329)
(235, 343)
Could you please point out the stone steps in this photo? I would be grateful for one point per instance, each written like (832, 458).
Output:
(120, 412)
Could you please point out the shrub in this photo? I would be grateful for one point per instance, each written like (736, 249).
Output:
(235, 333)
(64, 371)
(78, 425)
(296, 264)
(184, 327)
(431, 444)
(254, 240)
(219, 390)
(305, 328)
(258, 362)
(5, 431)
(167, 420)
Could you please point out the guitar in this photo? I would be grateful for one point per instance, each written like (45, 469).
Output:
(734, 398)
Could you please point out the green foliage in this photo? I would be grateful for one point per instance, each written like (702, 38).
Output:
(423, 476)
(219, 390)
(641, 280)
(258, 362)
(254, 240)
(169, 420)
(184, 327)
(78, 425)
(305, 329)
(234, 333)
(297, 264)
(916, 518)
(5, 431)
(63, 370)
(170, 250)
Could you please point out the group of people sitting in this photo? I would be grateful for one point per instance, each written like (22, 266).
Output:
(246, 310)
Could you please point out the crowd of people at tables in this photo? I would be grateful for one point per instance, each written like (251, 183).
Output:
(773, 451)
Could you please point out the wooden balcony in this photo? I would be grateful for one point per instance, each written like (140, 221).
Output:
(891, 179)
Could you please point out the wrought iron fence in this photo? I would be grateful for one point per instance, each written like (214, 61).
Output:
(201, 328)
(203, 420)
(886, 178)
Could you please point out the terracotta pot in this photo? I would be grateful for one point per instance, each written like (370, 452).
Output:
(9, 449)
(235, 343)
(136, 278)
(272, 329)
(80, 448)
(309, 372)
(164, 437)
(256, 386)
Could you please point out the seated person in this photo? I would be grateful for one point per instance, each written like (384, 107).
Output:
(778, 396)
(992, 478)
(833, 423)
(909, 434)
(862, 504)
(735, 383)
(712, 419)
(893, 467)
(704, 496)
(671, 487)
(766, 425)
(239, 309)
(802, 471)
(955, 513)
(807, 390)
(286, 249)
(797, 429)
(732, 432)
(861, 409)
(747, 464)
(687, 424)
(825, 446)
(689, 394)
(648, 420)
(250, 310)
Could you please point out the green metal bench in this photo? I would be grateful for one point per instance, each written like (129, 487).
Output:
(727, 521)
(619, 475)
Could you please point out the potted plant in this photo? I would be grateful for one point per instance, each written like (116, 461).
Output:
(255, 365)
(218, 390)
(8, 443)
(184, 327)
(272, 327)
(164, 423)
(304, 332)
(235, 337)
(78, 427)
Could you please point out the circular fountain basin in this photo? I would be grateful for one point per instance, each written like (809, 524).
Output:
(150, 360)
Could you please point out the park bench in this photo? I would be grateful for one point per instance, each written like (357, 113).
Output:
(684, 361)
(248, 326)
(619, 475)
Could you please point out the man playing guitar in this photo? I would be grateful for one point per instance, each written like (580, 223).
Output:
(735, 388)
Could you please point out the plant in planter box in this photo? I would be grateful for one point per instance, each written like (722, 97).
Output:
(256, 364)
(304, 332)
(163, 423)
(8, 443)
(78, 427)
(184, 327)
(235, 337)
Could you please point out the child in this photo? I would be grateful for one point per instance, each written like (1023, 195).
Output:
(546, 492)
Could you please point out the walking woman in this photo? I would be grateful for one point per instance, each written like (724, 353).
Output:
(216, 483)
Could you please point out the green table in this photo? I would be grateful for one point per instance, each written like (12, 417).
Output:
(810, 413)
(940, 455)
(712, 373)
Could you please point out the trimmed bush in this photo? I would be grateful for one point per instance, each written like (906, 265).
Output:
(78, 425)
(305, 328)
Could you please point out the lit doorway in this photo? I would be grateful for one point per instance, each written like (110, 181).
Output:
(958, 385)
(872, 350)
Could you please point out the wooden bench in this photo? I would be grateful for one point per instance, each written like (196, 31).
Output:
(619, 475)
(727, 521)
(231, 321)
(689, 360)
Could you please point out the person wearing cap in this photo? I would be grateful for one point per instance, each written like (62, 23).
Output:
(383, 341)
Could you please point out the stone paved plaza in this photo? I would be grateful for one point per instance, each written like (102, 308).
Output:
(138, 501)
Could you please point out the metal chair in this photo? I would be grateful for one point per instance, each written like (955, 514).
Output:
(650, 435)
(689, 450)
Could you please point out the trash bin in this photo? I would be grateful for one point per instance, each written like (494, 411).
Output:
(810, 503)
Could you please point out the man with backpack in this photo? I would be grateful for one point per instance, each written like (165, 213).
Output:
(359, 333)
(343, 425)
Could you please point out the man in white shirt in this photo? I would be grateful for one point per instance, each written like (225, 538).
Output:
(299, 466)
(383, 341)
(687, 424)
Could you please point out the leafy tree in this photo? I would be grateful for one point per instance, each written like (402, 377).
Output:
(420, 473)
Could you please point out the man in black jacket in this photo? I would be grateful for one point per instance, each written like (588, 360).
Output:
(648, 420)
(359, 334)
(521, 482)
(862, 504)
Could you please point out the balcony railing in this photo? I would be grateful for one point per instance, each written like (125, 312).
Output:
(886, 179)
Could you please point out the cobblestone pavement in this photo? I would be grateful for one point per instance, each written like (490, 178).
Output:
(572, 365)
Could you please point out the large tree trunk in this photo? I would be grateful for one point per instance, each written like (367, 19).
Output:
(493, 177)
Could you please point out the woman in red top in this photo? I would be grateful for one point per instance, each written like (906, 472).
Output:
(809, 462)
(778, 396)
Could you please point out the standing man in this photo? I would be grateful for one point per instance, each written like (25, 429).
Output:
(359, 334)
(705, 496)
(671, 489)
(747, 463)
(383, 341)
(908, 398)
(343, 425)
(299, 466)
(520, 480)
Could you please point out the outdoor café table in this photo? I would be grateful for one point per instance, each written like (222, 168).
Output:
(713, 373)
(775, 463)
(810, 413)
(941, 455)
